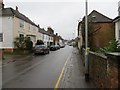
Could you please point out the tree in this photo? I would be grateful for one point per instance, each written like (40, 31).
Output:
(23, 43)
(19, 43)
(39, 42)
(28, 44)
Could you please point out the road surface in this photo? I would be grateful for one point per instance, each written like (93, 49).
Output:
(40, 71)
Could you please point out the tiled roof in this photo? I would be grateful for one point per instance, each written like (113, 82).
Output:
(12, 12)
(16, 13)
(95, 16)
(42, 30)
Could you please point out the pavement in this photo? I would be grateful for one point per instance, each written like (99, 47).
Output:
(73, 76)
(13, 58)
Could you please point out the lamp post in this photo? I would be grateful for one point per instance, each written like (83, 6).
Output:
(86, 43)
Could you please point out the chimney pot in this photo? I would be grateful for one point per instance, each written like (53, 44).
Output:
(56, 34)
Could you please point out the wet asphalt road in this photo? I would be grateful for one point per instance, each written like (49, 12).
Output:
(40, 71)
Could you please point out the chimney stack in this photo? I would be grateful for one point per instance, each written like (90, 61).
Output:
(16, 8)
(38, 25)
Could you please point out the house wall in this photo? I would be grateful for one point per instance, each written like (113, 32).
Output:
(28, 29)
(46, 39)
(7, 29)
(56, 40)
(42, 36)
(101, 37)
(117, 30)
(17, 30)
(51, 39)
(32, 31)
(80, 38)
(39, 36)
(0, 30)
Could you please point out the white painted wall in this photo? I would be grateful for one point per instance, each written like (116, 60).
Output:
(117, 30)
(80, 38)
(45, 39)
(7, 29)
(1, 30)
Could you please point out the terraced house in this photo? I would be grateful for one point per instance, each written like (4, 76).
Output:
(46, 36)
(15, 24)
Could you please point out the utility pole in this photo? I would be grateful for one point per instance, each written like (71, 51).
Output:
(86, 43)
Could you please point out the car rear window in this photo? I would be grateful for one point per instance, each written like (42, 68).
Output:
(40, 46)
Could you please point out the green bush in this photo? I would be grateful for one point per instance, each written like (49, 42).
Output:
(39, 42)
(111, 47)
(23, 43)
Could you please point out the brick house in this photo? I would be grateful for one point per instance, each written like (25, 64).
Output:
(100, 29)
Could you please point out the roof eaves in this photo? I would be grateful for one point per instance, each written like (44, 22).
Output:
(116, 19)
(23, 17)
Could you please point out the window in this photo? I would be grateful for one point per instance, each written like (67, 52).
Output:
(21, 23)
(1, 37)
(21, 36)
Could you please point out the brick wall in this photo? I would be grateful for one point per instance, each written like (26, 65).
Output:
(101, 37)
(98, 69)
(104, 70)
(113, 70)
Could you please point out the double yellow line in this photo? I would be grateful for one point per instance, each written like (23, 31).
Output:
(61, 74)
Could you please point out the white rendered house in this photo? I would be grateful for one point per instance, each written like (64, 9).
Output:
(15, 24)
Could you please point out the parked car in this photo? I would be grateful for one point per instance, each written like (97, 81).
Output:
(52, 48)
(62, 46)
(41, 49)
(57, 47)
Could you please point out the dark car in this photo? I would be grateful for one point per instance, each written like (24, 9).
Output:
(41, 49)
(52, 48)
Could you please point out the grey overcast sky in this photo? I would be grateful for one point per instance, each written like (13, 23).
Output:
(62, 15)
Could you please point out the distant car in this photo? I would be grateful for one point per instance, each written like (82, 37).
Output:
(52, 48)
(41, 49)
(62, 46)
(70, 44)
